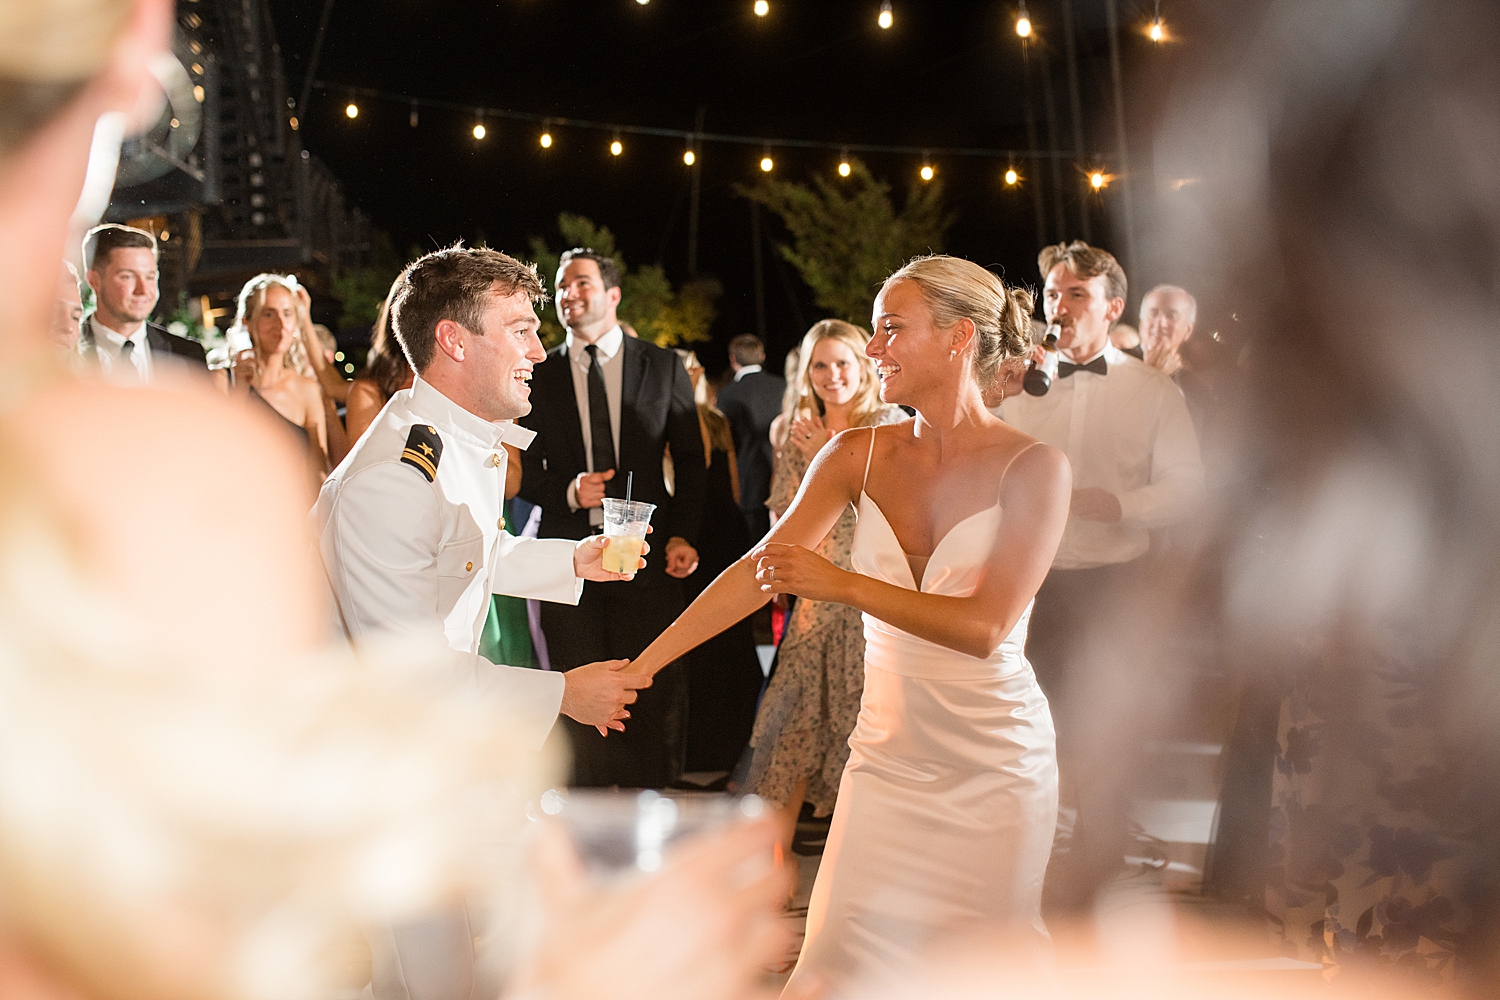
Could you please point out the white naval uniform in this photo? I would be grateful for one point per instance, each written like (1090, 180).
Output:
(412, 558)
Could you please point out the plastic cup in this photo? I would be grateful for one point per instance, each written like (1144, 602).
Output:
(619, 832)
(625, 524)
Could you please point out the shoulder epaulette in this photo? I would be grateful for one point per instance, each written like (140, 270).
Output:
(423, 451)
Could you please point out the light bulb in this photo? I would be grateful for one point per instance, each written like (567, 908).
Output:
(927, 173)
(616, 148)
(766, 163)
(1157, 31)
(762, 8)
(546, 140)
(1097, 180)
(1011, 176)
(1023, 27)
(479, 131)
(352, 110)
(689, 158)
(887, 18)
(844, 169)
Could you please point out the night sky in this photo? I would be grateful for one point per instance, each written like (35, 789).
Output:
(949, 74)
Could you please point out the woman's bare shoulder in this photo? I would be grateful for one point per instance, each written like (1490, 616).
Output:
(1036, 465)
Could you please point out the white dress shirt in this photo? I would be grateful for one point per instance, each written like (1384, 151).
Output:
(107, 346)
(747, 370)
(408, 557)
(1127, 432)
(612, 367)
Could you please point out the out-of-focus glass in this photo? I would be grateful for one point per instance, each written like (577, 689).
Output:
(618, 832)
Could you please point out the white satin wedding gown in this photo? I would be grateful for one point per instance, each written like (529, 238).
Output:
(947, 806)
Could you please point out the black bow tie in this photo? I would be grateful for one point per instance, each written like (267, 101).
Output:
(1097, 366)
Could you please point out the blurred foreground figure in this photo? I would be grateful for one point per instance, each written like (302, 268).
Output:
(194, 801)
(1347, 205)
(67, 314)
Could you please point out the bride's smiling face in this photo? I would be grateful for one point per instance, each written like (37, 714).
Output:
(908, 348)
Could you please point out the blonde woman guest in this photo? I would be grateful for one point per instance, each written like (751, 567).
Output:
(268, 314)
(386, 373)
(801, 736)
(947, 806)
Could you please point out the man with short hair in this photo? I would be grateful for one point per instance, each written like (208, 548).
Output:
(120, 266)
(1136, 469)
(751, 402)
(605, 406)
(1167, 317)
(67, 313)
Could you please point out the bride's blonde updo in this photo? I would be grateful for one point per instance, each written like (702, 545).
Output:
(48, 50)
(956, 289)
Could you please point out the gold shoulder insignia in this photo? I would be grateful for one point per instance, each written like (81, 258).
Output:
(423, 450)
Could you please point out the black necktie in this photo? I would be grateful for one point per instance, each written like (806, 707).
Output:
(1097, 366)
(127, 362)
(600, 437)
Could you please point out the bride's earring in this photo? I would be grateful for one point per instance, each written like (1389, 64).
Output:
(953, 354)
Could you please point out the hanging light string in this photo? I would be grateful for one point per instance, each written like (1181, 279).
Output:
(552, 122)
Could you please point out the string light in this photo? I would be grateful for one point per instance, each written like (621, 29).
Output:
(352, 110)
(762, 8)
(1023, 22)
(413, 118)
(844, 168)
(546, 140)
(479, 131)
(927, 172)
(1157, 32)
(294, 123)
(616, 148)
(1011, 177)
(767, 164)
(1099, 180)
(887, 17)
(689, 158)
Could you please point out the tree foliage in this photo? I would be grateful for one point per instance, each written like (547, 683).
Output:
(363, 289)
(648, 302)
(847, 235)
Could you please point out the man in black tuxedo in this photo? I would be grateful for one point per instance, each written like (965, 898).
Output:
(751, 402)
(605, 405)
(120, 266)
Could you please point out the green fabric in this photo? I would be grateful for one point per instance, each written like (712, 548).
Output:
(507, 632)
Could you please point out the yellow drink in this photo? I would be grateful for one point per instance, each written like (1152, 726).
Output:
(622, 554)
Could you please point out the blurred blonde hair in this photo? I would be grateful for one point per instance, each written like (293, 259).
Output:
(956, 289)
(250, 299)
(866, 403)
(173, 828)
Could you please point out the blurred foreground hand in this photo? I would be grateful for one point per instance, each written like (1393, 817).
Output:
(705, 927)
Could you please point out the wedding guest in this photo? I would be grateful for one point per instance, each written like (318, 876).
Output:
(801, 738)
(387, 371)
(751, 402)
(603, 406)
(120, 266)
(267, 312)
(781, 426)
(67, 313)
(724, 675)
(1167, 317)
(1136, 469)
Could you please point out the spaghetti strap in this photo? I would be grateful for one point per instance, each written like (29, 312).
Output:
(870, 456)
(1012, 461)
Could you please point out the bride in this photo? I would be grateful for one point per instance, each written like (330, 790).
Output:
(947, 806)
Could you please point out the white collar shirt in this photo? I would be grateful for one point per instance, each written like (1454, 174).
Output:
(747, 370)
(1127, 432)
(108, 345)
(612, 367)
(414, 559)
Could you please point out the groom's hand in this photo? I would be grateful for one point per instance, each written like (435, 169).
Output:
(588, 556)
(596, 694)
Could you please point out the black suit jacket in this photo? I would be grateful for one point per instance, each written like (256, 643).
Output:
(656, 409)
(190, 352)
(751, 404)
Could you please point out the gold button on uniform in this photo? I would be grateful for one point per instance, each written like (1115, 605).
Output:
(496, 461)
(501, 525)
(468, 567)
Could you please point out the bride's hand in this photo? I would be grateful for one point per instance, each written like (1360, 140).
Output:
(792, 569)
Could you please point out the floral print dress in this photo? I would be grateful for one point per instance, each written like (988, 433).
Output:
(812, 702)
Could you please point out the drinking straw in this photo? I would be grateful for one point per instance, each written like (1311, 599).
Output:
(629, 482)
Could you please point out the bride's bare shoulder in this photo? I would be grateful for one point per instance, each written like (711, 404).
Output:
(1036, 466)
